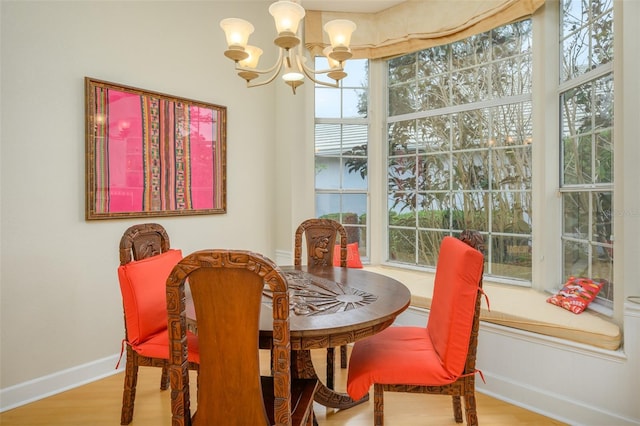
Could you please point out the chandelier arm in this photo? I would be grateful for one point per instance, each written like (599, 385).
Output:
(325, 71)
(310, 73)
(276, 67)
(267, 80)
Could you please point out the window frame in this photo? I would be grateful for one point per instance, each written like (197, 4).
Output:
(341, 191)
(546, 203)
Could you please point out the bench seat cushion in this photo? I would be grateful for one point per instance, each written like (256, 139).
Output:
(521, 308)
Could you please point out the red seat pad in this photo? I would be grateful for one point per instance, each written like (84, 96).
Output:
(435, 355)
(143, 284)
(397, 355)
(157, 346)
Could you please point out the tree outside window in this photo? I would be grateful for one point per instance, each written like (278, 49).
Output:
(459, 137)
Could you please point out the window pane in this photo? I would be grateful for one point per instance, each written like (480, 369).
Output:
(604, 157)
(575, 211)
(402, 99)
(468, 211)
(433, 133)
(575, 54)
(432, 62)
(470, 129)
(433, 173)
(511, 168)
(587, 36)
(511, 257)
(576, 156)
(402, 69)
(602, 33)
(429, 246)
(511, 213)
(513, 124)
(327, 139)
(471, 85)
(354, 204)
(402, 245)
(354, 139)
(512, 40)
(354, 103)
(471, 51)
(327, 204)
(434, 211)
(327, 172)
(401, 137)
(401, 174)
(401, 209)
(602, 218)
(576, 259)
(433, 93)
(470, 170)
(327, 102)
(357, 73)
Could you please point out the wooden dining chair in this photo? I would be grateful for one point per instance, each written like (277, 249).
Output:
(439, 359)
(226, 288)
(320, 236)
(146, 260)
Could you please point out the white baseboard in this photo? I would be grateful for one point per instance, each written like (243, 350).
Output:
(42, 387)
(546, 403)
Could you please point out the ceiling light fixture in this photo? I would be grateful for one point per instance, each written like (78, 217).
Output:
(291, 62)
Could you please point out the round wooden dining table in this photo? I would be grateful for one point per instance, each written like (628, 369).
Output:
(332, 307)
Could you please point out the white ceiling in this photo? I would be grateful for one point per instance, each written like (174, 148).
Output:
(338, 6)
(349, 5)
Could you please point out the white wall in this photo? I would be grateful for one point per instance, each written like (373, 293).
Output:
(60, 313)
(61, 305)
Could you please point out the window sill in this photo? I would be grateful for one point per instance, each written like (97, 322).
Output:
(521, 308)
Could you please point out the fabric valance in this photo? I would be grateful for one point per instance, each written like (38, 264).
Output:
(417, 24)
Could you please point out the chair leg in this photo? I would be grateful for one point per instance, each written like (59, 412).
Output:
(330, 368)
(343, 356)
(378, 405)
(470, 409)
(164, 378)
(457, 408)
(130, 382)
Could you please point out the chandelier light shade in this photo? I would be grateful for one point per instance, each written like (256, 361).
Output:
(291, 61)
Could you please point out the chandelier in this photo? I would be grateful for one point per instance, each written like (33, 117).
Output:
(291, 62)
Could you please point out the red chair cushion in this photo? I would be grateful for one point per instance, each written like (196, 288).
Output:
(397, 355)
(143, 287)
(157, 346)
(455, 291)
(431, 356)
(353, 256)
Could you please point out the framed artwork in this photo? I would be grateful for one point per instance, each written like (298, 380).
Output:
(151, 154)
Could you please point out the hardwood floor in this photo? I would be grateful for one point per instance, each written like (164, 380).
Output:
(99, 403)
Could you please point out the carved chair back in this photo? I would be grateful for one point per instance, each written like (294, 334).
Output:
(320, 236)
(143, 241)
(227, 287)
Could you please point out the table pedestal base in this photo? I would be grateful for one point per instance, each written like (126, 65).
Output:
(302, 367)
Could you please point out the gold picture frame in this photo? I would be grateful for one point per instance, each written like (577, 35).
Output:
(151, 154)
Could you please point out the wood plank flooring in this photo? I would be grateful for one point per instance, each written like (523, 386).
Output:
(99, 403)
